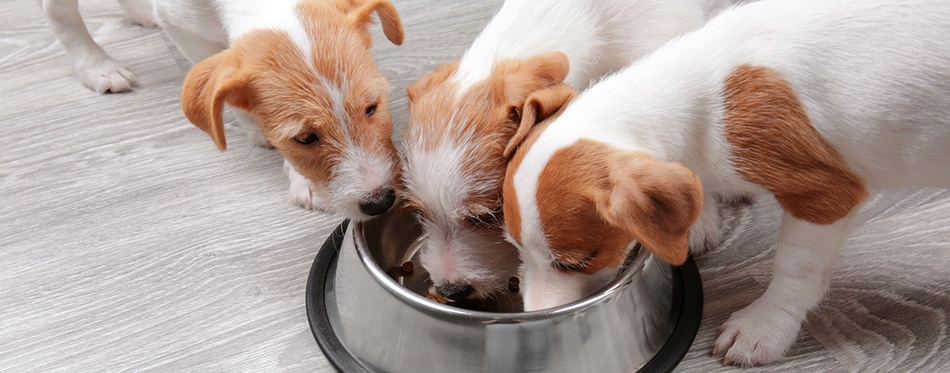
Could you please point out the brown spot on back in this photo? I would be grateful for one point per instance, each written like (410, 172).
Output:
(775, 145)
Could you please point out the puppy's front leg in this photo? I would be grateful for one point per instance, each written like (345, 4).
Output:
(96, 69)
(704, 234)
(762, 332)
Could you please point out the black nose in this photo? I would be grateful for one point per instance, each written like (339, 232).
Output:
(379, 202)
(455, 292)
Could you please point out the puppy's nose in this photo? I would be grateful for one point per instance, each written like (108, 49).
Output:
(379, 202)
(455, 292)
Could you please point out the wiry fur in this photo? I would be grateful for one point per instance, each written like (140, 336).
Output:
(846, 96)
(463, 115)
(294, 68)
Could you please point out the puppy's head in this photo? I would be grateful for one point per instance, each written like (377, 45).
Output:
(317, 96)
(575, 211)
(454, 163)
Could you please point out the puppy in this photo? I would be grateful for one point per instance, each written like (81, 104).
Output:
(463, 114)
(94, 67)
(302, 72)
(817, 102)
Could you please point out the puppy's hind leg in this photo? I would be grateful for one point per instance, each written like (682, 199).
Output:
(762, 332)
(96, 69)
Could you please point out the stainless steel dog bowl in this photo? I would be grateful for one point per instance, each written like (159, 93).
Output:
(368, 315)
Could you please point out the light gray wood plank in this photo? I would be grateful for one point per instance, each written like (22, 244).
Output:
(130, 243)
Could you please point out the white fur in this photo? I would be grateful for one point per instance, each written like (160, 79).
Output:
(96, 69)
(598, 37)
(202, 28)
(873, 76)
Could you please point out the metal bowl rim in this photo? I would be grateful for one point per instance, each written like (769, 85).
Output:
(423, 304)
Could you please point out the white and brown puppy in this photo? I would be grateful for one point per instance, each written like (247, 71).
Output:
(302, 72)
(94, 67)
(817, 102)
(463, 114)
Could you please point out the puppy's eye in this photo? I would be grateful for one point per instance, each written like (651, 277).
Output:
(483, 221)
(306, 139)
(370, 110)
(574, 265)
(570, 267)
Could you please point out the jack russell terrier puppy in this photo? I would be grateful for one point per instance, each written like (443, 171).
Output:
(462, 115)
(817, 102)
(302, 72)
(96, 69)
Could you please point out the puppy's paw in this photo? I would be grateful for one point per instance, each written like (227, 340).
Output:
(106, 75)
(704, 234)
(756, 335)
(139, 12)
(302, 191)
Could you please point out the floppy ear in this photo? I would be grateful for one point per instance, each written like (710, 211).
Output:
(388, 16)
(207, 87)
(537, 107)
(655, 201)
(440, 73)
(521, 80)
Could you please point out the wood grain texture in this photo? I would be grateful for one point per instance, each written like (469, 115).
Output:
(129, 243)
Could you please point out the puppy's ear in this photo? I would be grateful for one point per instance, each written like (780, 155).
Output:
(440, 73)
(207, 87)
(515, 81)
(392, 26)
(655, 201)
(537, 107)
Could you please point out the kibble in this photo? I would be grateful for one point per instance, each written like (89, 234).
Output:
(513, 285)
(438, 298)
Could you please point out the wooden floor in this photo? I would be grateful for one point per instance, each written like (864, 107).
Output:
(129, 243)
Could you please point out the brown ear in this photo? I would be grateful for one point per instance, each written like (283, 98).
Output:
(440, 73)
(521, 79)
(655, 201)
(207, 87)
(388, 16)
(537, 107)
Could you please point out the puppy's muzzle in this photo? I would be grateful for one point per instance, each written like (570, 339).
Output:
(379, 202)
(455, 292)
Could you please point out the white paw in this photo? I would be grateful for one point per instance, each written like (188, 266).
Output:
(139, 12)
(704, 234)
(106, 75)
(302, 190)
(756, 335)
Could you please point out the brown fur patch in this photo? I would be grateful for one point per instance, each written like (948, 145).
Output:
(774, 145)
(594, 200)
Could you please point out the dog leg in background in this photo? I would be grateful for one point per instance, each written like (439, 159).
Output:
(95, 68)
(764, 330)
(704, 234)
(139, 12)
